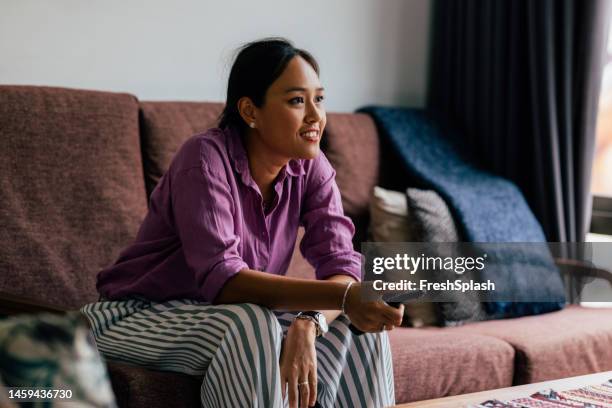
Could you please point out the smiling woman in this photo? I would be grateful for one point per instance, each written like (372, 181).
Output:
(203, 290)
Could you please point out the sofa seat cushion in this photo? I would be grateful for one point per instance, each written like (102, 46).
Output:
(137, 387)
(570, 342)
(426, 364)
(432, 363)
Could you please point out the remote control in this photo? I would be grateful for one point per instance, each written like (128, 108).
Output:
(393, 300)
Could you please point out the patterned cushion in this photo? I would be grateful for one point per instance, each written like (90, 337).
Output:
(430, 220)
(54, 351)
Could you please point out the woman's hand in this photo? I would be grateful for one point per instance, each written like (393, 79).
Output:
(372, 316)
(298, 364)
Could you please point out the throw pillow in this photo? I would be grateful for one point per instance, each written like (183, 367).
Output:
(389, 222)
(423, 216)
(57, 352)
(431, 221)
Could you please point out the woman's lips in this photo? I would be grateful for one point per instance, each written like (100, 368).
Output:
(310, 136)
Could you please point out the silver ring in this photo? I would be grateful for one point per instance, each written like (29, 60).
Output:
(303, 383)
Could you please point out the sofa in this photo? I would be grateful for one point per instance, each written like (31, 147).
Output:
(77, 169)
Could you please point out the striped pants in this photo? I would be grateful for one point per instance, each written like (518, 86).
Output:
(236, 350)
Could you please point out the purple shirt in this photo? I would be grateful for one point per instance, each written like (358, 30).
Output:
(206, 222)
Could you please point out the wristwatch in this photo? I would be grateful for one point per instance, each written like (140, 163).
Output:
(317, 318)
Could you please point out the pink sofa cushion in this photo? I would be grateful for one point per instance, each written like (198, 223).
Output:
(72, 189)
(351, 146)
(573, 341)
(431, 364)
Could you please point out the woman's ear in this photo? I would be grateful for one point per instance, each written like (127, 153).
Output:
(247, 111)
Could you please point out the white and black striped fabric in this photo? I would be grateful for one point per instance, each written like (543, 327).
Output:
(236, 349)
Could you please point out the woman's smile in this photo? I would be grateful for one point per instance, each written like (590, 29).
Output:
(311, 135)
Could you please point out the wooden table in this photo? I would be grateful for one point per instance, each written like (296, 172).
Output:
(505, 394)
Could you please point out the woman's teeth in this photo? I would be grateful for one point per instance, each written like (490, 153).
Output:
(312, 135)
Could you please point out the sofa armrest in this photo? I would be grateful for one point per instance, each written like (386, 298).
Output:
(13, 304)
(575, 268)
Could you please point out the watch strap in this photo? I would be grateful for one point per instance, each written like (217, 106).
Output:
(313, 317)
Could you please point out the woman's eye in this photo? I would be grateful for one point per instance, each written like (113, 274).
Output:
(300, 99)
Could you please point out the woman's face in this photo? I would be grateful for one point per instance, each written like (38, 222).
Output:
(290, 123)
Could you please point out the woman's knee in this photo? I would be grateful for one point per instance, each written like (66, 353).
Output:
(260, 319)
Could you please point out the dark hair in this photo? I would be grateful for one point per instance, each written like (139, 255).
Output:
(257, 65)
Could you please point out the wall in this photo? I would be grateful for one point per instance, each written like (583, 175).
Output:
(370, 51)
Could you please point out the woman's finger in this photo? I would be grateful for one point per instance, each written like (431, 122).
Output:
(392, 315)
(304, 390)
(293, 393)
(312, 380)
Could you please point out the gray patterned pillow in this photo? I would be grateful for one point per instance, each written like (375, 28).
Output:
(430, 220)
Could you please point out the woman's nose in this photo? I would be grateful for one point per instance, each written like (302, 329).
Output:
(313, 114)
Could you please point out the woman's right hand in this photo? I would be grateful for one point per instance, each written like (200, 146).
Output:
(371, 316)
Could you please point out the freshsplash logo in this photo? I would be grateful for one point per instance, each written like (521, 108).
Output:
(412, 264)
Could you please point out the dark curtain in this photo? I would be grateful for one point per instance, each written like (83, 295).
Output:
(520, 80)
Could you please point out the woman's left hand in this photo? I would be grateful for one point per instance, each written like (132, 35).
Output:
(298, 364)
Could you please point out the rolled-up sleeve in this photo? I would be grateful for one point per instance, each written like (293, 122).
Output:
(327, 242)
(203, 216)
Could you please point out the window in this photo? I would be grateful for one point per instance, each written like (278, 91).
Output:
(601, 186)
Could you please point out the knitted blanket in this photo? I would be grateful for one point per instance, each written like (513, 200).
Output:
(485, 207)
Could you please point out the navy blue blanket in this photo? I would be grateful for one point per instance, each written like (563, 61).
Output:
(486, 208)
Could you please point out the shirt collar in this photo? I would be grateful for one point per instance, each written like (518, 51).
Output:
(236, 150)
(295, 167)
(240, 161)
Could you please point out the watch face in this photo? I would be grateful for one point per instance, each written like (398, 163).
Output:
(322, 323)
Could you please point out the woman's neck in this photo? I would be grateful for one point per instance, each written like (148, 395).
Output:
(264, 165)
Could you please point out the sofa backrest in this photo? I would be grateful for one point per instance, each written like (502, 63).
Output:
(352, 146)
(77, 168)
(164, 128)
(72, 189)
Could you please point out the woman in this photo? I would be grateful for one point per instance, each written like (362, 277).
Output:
(201, 289)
